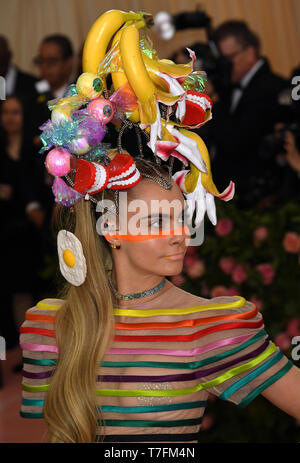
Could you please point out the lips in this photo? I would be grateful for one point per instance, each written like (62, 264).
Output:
(175, 256)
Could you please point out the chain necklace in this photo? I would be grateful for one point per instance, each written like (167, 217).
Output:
(129, 297)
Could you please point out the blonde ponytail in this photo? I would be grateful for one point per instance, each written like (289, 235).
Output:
(84, 329)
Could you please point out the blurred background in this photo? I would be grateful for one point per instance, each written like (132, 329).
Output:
(250, 52)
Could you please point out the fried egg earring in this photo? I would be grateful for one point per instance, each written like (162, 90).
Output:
(72, 262)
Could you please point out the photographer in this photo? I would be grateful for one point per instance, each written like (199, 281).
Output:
(283, 145)
(292, 152)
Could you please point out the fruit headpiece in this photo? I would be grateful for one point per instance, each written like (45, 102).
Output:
(161, 100)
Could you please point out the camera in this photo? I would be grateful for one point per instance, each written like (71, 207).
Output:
(273, 144)
(208, 56)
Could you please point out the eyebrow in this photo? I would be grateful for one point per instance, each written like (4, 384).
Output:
(160, 214)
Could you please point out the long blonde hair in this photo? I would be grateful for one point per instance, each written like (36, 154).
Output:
(84, 329)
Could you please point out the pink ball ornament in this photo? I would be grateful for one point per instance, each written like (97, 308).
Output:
(79, 146)
(102, 109)
(58, 162)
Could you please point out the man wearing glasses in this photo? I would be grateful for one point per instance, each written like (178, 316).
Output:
(55, 63)
(246, 111)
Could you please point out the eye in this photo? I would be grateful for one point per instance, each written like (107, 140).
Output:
(157, 223)
(181, 217)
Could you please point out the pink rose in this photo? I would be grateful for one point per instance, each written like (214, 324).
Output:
(178, 280)
(293, 328)
(227, 264)
(257, 302)
(204, 289)
(224, 227)
(207, 422)
(218, 291)
(232, 291)
(239, 275)
(260, 233)
(189, 261)
(196, 270)
(267, 272)
(191, 251)
(282, 340)
(291, 242)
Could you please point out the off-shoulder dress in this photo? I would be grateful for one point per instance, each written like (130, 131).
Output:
(167, 356)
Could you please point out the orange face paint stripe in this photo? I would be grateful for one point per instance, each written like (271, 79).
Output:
(190, 323)
(177, 231)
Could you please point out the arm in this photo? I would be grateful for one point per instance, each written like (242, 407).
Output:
(292, 154)
(285, 393)
(40, 355)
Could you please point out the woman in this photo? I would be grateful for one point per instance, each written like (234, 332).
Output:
(149, 389)
(16, 157)
(124, 355)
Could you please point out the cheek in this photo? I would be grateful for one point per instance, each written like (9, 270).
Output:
(12, 119)
(53, 71)
(59, 70)
(19, 119)
(148, 252)
(244, 63)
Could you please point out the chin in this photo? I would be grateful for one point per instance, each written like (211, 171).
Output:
(173, 268)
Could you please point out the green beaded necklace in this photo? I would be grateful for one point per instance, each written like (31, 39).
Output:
(129, 297)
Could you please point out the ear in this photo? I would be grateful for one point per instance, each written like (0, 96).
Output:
(112, 241)
(252, 53)
(107, 228)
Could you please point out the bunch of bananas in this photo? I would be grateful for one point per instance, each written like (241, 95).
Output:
(149, 77)
(113, 46)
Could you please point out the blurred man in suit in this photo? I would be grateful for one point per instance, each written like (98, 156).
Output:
(245, 112)
(55, 63)
(16, 81)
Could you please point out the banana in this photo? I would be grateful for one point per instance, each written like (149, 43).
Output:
(206, 179)
(207, 182)
(137, 75)
(119, 78)
(161, 86)
(100, 35)
(167, 66)
(166, 97)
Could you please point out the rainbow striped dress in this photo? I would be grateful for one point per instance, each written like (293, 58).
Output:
(163, 363)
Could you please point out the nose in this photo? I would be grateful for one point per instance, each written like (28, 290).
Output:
(180, 235)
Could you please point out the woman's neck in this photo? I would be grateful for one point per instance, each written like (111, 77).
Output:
(14, 138)
(143, 300)
(14, 142)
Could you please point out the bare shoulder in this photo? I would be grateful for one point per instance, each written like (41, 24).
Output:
(188, 299)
